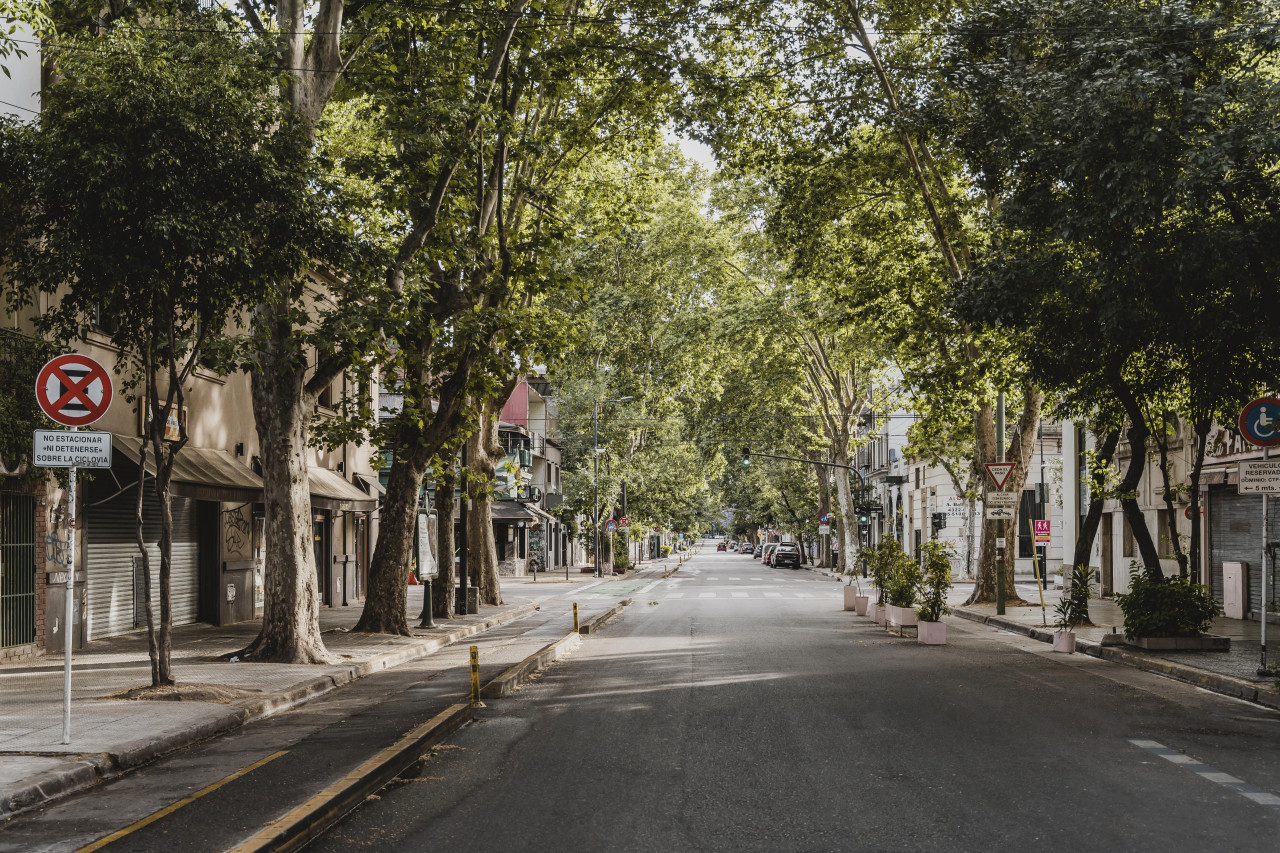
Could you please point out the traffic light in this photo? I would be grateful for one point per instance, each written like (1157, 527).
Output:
(864, 515)
(746, 454)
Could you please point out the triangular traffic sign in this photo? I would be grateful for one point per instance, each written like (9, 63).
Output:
(999, 473)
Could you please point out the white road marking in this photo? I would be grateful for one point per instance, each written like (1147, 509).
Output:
(1204, 771)
(676, 595)
(803, 595)
(706, 595)
(773, 595)
(739, 595)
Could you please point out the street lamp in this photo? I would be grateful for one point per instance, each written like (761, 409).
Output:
(595, 487)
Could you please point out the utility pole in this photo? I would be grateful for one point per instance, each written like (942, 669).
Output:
(460, 604)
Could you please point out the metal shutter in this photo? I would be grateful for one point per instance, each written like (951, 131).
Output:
(1235, 526)
(110, 551)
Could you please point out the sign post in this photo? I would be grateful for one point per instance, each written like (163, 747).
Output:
(999, 472)
(74, 391)
(1260, 426)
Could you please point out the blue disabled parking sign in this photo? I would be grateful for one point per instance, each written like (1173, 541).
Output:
(1260, 422)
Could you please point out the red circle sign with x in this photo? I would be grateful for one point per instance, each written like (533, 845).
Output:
(73, 390)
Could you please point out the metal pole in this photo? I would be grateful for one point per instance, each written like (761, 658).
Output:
(595, 483)
(1262, 670)
(69, 610)
(460, 606)
(1000, 551)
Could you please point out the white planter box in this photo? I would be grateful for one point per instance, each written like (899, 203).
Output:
(1064, 642)
(932, 633)
(903, 617)
(878, 614)
(861, 603)
(850, 594)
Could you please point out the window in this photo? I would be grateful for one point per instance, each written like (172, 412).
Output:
(1127, 537)
(1164, 546)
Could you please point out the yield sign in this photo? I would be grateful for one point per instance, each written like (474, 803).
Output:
(999, 473)
(73, 390)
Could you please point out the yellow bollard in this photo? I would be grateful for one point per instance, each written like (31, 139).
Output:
(575, 617)
(475, 678)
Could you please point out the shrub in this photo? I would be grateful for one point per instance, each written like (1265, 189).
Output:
(1073, 609)
(1168, 607)
(935, 581)
(906, 580)
(666, 550)
(883, 562)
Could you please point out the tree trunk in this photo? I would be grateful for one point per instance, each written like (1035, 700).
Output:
(386, 604)
(1020, 451)
(848, 511)
(482, 451)
(1202, 434)
(162, 668)
(282, 411)
(153, 648)
(1171, 509)
(443, 590)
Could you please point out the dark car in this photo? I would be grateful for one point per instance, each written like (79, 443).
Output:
(759, 550)
(788, 554)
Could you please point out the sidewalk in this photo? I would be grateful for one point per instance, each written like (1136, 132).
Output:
(111, 735)
(1233, 673)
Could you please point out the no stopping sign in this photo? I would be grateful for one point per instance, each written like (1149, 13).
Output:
(73, 390)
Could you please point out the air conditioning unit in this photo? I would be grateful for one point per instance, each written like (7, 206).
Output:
(525, 457)
(893, 454)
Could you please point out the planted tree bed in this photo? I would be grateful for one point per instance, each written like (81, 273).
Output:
(1205, 643)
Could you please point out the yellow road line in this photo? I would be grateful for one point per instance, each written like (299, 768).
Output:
(170, 809)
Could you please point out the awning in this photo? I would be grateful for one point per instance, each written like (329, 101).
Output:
(330, 491)
(511, 511)
(370, 485)
(201, 473)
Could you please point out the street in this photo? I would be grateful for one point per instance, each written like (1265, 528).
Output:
(737, 707)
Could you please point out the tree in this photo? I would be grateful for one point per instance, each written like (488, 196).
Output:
(1150, 222)
(162, 198)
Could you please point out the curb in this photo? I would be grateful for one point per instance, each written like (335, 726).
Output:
(1214, 682)
(53, 785)
(507, 683)
(309, 820)
(305, 822)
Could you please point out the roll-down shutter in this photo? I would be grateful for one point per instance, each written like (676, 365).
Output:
(115, 591)
(1235, 534)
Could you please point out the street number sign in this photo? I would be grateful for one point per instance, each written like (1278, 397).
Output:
(1007, 500)
(1041, 530)
(999, 513)
(1259, 477)
(74, 390)
(1260, 422)
(999, 472)
(55, 448)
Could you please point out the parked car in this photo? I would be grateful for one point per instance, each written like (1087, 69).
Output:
(722, 547)
(769, 549)
(787, 554)
(759, 550)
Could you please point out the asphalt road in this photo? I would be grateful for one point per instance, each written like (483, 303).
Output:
(737, 707)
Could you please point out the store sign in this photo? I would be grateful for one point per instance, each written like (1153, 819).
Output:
(957, 508)
(1260, 477)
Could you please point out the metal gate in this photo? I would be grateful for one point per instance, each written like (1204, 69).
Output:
(17, 570)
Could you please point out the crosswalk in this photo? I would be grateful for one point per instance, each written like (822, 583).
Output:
(754, 593)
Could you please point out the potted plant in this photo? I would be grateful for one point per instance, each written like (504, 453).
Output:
(1169, 614)
(1072, 610)
(935, 583)
(882, 565)
(901, 594)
